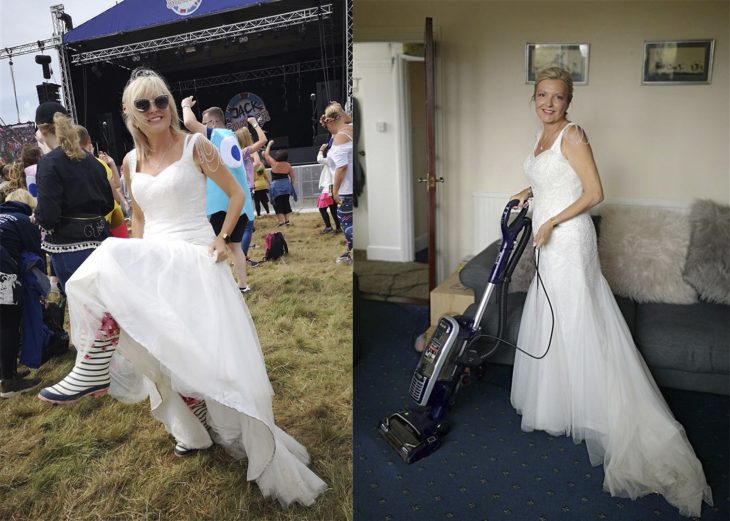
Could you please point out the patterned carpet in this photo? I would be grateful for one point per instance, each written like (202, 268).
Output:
(488, 469)
(389, 280)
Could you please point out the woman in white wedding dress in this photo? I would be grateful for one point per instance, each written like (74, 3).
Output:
(593, 384)
(172, 310)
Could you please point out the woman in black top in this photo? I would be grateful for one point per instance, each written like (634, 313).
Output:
(73, 193)
(282, 182)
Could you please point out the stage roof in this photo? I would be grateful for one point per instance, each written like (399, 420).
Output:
(131, 15)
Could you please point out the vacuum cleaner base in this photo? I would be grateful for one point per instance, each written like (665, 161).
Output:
(413, 434)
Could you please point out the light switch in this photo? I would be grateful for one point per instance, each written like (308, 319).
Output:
(381, 126)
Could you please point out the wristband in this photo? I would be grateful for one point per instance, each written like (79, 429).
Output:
(554, 222)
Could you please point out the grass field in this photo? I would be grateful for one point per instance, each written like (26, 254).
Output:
(104, 460)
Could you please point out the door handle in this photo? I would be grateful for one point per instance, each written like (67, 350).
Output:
(431, 180)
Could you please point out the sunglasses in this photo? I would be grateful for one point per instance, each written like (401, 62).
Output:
(143, 105)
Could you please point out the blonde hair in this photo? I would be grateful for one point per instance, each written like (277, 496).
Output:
(333, 112)
(244, 137)
(22, 195)
(14, 177)
(554, 73)
(64, 129)
(142, 83)
(84, 137)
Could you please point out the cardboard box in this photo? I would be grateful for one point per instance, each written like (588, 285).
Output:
(450, 298)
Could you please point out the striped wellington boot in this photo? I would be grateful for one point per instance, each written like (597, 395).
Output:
(200, 410)
(90, 375)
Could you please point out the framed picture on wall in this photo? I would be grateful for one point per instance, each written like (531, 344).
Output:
(572, 57)
(677, 62)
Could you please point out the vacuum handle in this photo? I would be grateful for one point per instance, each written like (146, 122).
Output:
(510, 231)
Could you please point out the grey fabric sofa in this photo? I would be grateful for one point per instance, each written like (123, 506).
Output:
(685, 346)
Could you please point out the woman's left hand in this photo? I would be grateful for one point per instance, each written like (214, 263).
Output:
(543, 235)
(218, 249)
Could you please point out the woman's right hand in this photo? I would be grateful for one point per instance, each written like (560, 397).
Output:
(522, 197)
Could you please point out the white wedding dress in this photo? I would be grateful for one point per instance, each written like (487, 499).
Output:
(186, 328)
(594, 385)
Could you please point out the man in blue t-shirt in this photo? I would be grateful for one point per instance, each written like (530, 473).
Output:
(213, 127)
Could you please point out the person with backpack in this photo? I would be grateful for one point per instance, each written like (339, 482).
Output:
(339, 160)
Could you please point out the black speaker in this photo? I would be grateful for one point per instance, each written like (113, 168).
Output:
(48, 92)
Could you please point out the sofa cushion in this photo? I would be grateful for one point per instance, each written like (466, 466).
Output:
(643, 252)
(475, 274)
(694, 338)
(708, 257)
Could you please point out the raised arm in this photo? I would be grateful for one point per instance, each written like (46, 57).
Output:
(267, 154)
(259, 133)
(137, 214)
(191, 122)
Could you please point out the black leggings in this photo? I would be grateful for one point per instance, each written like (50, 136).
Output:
(326, 218)
(261, 197)
(9, 340)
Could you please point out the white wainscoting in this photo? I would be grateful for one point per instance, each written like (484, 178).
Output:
(488, 208)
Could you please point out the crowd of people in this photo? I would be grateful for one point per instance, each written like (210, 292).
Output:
(187, 197)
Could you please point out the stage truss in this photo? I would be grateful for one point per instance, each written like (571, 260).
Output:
(68, 55)
(256, 74)
(223, 32)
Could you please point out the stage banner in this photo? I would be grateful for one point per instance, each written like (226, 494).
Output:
(245, 105)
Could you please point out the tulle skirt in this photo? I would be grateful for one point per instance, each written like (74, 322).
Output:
(594, 386)
(185, 330)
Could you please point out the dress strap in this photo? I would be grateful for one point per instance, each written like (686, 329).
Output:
(559, 140)
(132, 162)
(190, 141)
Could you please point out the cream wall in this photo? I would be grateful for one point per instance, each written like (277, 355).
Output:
(650, 142)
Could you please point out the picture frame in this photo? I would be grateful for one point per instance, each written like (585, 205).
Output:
(572, 57)
(677, 62)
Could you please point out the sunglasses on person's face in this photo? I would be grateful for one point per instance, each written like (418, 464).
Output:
(143, 105)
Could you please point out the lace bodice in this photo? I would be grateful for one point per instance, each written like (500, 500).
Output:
(555, 186)
(173, 201)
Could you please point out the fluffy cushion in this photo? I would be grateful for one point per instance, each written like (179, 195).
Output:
(643, 252)
(708, 258)
(524, 271)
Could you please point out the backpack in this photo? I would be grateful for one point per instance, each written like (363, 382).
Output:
(275, 246)
(58, 342)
